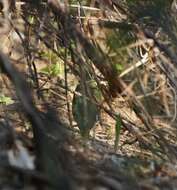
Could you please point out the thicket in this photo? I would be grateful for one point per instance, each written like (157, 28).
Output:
(76, 63)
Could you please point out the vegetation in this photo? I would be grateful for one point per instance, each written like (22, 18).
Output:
(88, 94)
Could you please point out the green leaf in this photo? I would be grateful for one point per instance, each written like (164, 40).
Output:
(117, 131)
(53, 70)
(119, 67)
(56, 66)
(31, 19)
(6, 100)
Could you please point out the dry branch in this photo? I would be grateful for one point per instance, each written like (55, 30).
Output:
(100, 61)
(47, 131)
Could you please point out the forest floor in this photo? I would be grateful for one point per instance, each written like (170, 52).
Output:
(129, 167)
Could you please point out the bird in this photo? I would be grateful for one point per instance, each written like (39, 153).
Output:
(85, 112)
